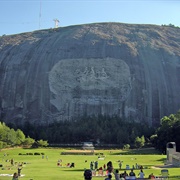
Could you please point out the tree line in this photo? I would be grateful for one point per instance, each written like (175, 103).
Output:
(10, 138)
(100, 130)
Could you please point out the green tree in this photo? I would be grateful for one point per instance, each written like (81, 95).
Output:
(10, 137)
(139, 142)
(20, 137)
(153, 139)
(28, 141)
(126, 146)
(1, 144)
(42, 143)
(168, 132)
(142, 141)
(3, 132)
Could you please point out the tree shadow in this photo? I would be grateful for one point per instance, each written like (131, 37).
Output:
(162, 159)
(72, 169)
(143, 151)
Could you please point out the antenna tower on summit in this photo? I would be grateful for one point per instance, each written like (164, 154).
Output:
(56, 23)
(40, 16)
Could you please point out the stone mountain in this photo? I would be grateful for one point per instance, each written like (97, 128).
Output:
(128, 70)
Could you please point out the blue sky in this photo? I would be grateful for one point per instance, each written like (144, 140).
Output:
(17, 16)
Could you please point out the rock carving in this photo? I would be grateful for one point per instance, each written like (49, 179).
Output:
(89, 82)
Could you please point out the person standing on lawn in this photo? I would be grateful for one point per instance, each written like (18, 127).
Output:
(116, 174)
(141, 174)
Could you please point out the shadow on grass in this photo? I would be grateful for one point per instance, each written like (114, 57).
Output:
(142, 151)
(175, 177)
(72, 169)
(165, 166)
(162, 159)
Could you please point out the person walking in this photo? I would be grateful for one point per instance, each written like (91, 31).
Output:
(19, 171)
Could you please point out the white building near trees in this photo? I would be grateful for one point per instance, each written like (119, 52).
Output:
(88, 146)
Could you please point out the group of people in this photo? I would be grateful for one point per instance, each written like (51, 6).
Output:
(124, 175)
(121, 176)
(59, 163)
(94, 165)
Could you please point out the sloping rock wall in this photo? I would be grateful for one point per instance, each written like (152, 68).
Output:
(132, 71)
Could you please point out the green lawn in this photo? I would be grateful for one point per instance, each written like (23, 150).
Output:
(37, 168)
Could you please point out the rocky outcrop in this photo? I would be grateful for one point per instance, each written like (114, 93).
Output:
(132, 71)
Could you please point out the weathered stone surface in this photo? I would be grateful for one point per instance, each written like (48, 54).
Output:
(132, 71)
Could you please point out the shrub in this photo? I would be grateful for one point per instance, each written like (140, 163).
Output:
(126, 146)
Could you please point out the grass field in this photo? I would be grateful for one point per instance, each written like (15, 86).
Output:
(38, 168)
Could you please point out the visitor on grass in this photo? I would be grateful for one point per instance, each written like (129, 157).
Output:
(120, 165)
(151, 176)
(96, 165)
(141, 174)
(121, 177)
(116, 174)
(124, 174)
(19, 171)
(104, 166)
(100, 171)
(109, 167)
(87, 174)
(15, 176)
(91, 165)
(12, 162)
(109, 177)
(132, 173)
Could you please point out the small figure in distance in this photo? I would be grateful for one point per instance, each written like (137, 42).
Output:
(15, 176)
(120, 164)
(19, 171)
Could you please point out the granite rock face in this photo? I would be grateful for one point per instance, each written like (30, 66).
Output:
(132, 71)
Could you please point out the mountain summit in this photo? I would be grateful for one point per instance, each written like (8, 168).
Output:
(128, 70)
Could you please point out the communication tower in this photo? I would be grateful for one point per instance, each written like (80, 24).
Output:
(40, 16)
(56, 23)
